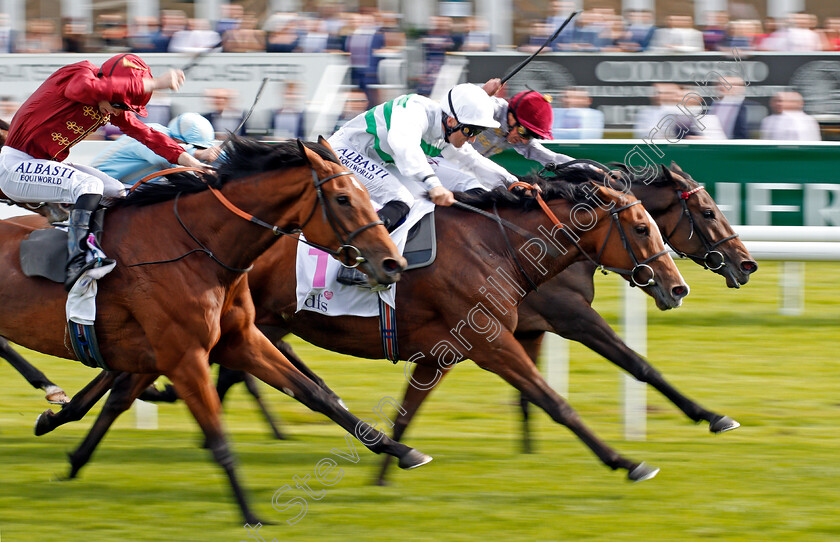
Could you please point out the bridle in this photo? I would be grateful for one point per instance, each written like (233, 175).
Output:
(639, 266)
(713, 259)
(344, 254)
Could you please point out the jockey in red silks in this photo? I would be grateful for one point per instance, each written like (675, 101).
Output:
(72, 103)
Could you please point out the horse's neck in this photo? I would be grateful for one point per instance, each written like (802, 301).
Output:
(235, 240)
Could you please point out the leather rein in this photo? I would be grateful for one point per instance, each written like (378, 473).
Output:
(345, 253)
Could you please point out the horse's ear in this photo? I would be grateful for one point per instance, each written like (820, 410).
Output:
(310, 156)
(676, 167)
(666, 172)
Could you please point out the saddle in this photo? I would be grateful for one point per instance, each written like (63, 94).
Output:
(53, 212)
(44, 252)
(421, 243)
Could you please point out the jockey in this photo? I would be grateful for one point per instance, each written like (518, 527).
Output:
(72, 103)
(129, 160)
(394, 148)
(524, 120)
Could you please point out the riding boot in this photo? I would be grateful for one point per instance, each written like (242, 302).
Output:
(77, 239)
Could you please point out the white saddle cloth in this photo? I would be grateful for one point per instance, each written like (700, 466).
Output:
(316, 271)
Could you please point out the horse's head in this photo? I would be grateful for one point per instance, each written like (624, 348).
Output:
(628, 242)
(347, 221)
(692, 224)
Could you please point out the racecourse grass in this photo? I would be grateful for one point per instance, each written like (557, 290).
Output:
(775, 478)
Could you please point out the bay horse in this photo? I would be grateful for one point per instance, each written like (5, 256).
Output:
(448, 312)
(180, 294)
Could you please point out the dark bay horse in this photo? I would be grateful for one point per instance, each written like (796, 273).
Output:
(193, 304)
(694, 226)
(463, 306)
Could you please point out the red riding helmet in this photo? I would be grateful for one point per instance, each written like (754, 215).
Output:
(533, 111)
(132, 67)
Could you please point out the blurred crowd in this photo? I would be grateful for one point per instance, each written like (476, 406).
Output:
(370, 35)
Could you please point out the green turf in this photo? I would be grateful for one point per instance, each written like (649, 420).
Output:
(775, 478)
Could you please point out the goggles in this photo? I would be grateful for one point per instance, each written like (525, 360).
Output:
(120, 106)
(525, 133)
(469, 130)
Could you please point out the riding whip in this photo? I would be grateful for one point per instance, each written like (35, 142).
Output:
(198, 56)
(549, 40)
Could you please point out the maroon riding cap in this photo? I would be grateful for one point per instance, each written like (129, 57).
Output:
(132, 67)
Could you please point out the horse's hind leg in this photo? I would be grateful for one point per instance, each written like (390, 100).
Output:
(254, 390)
(228, 377)
(531, 343)
(36, 378)
(80, 405)
(424, 379)
(126, 389)
(507, 358)
(580, 322)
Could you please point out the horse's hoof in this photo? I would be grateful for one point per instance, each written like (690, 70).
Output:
(722, 424)
(414, 459)
(56, 396)
(41, 425)
(642, 472)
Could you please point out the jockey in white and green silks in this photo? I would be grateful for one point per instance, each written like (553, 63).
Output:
(395, 149)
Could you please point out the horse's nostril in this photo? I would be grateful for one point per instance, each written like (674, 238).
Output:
(391, 266)
(679, 292)
(749, 266)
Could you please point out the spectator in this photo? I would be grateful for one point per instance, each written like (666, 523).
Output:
(795, 37)
(679, 37)
(282, 36)
(732, 109)
(314, 38)
(831, 34)
(224, 115)
(288, 121)
(540, 31)
(790, 122)
(8, 108)
(112, 33)
(560, 11)
(196, 38)
(245, 38)
(715, 33)
(363, 44)
(172, 21)
(389, 23)
(230, 18)
(141, 36)
(576, 119)
(7, 36)
(40, 38)
(355, 104)
(436, 43)
(639, 32)
(476, 35)
(664, 100)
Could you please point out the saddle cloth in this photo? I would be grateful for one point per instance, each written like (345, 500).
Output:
(316, 271)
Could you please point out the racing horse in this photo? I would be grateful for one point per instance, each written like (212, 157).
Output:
(180, 295)
(447, 311)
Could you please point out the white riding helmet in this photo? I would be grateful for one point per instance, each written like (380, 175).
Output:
(192, 128)
(469, 104)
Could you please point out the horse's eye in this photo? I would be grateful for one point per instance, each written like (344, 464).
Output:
(708, 213)
(343, 200)
(642, 229)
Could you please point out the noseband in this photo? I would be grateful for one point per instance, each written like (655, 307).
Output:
(713, 259)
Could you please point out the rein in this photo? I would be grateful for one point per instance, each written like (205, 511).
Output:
(713, 259)
(345, 250)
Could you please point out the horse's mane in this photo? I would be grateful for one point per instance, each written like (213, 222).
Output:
(661, 178)
(242, 157)
(572, 190)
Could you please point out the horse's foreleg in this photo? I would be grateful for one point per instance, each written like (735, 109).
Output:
(423, 380)
(80, 405)
(254, 390)
(35, 377)
(531, 342)
(125, 390)
(252, 352)
(191, 378)
(507, 358)
(581, 323)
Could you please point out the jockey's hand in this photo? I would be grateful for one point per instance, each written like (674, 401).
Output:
(170, 79)
(492, 86)
(208, 155)
(187, 160)
(441, 196)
